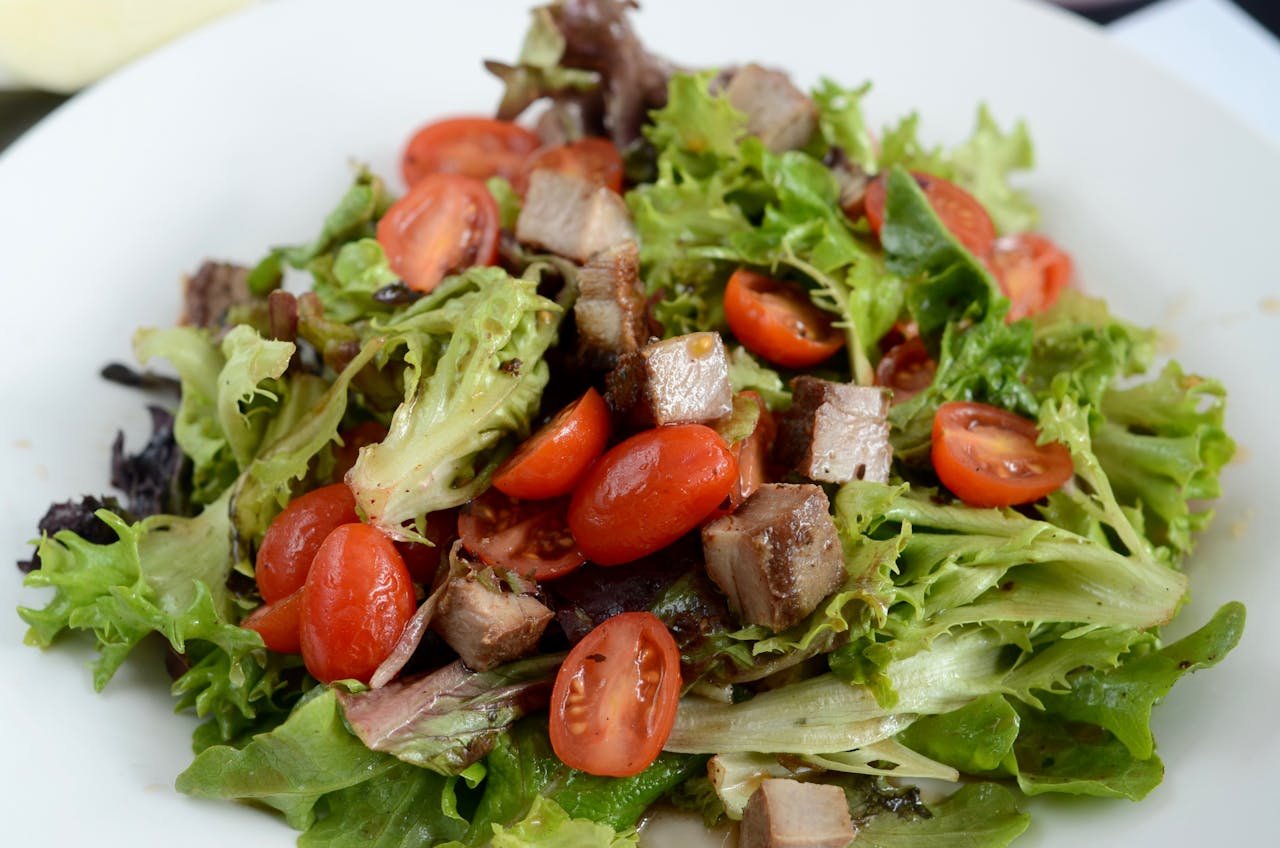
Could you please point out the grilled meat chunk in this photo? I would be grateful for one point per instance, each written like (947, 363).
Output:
(776, 110)
(210, 293)
(791, 814)
(777, 556)
(488, 628)
(681, 380)
(610, 310)
(836, 432)
(572, 216)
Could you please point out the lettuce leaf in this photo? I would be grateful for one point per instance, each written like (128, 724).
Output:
(475, 376)
(547, 824)
(980, 815)
(841, 124)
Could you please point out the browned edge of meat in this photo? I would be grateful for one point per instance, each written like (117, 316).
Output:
(610, 310)
(680, 380)
(777, 556)
(836, 432)
(210, 293)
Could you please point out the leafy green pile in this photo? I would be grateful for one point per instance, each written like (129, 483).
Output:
(1013, 649)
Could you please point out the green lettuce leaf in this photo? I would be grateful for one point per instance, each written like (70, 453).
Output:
(980, 815)
(475, 377)
(746, 373)
(347, 279)
(841, 124)
(547, 824)
(976, 739)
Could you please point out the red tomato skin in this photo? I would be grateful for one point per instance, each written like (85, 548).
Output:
(907, 369)
(1032, 272)
(774, 320)
(595, 160)
(959, 211)
(294, 536)
(355, 604)
(445, 224)
(530, 538)
(279, 624)
(552, 460)
(1013, 470)
(616, 726)
(474, 147)
(650, 490)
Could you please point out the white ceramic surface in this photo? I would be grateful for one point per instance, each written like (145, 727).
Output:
(240, 136)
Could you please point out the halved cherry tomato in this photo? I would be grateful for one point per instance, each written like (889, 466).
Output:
(959, 211)
(553, 459)
(615, 697)
(752, 454)
(906, 368)
(1032, 272)
(445, 224)
(291, 542)
(650, 490)
(345, 454)
(776, 321)
(356, 602)
(479, 148)
(530, 538)
(279, 624)
(595, 160)
(988, 456)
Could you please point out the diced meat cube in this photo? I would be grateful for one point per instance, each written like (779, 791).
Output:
(777, 556)
(791, 814)
(776, 110)
(212, 291)
(488, 628)
(681, 380)
(610, 310)
(572, 216)
(836, 432)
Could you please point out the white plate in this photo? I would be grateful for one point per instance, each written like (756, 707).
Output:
(239, 137)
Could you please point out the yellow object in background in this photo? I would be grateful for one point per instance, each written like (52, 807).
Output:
(63, 45)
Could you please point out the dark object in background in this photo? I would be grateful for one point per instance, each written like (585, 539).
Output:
(150, 478)
(20, 110)
(79, 518)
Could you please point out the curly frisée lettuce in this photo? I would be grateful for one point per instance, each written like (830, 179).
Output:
(1013, 651)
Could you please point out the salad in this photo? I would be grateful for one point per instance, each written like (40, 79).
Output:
(680, 444)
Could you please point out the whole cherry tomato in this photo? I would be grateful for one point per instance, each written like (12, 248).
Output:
(615, 698)
(650, 490)
(356, 602)
(552, 460)
(292, 539)
(988, 456)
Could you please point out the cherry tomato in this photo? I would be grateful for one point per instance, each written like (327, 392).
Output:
(530, 538)
(906, 368)
(778, 322)
(1032, 272)
(988, 456)
(649, 491)
(615, 697)
(959, 211)
(479, 148)
(552, 460)
(595, 160)
(445, 224)
(345, 454)
(279, 624)
(752, 455)
(355, 604)
(291, 542)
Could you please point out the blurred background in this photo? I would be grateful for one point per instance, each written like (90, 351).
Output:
(49, 49)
